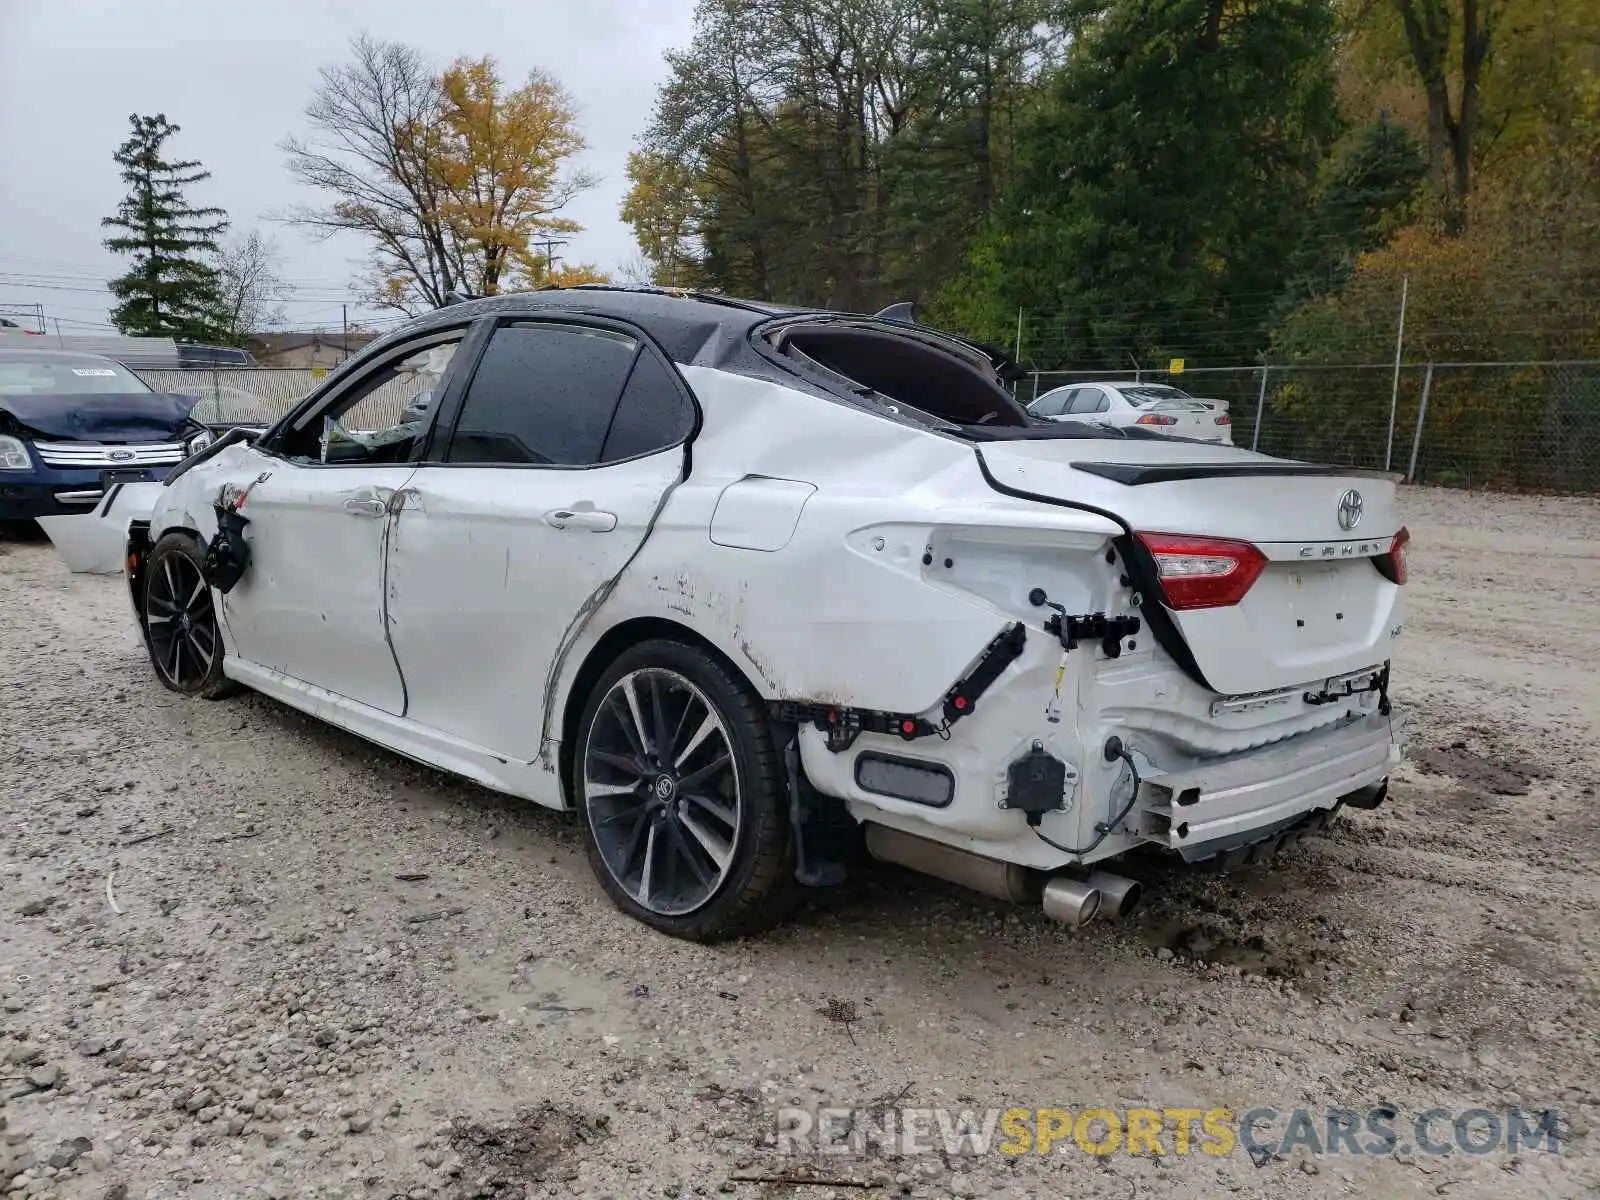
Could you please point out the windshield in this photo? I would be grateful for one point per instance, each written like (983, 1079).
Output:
(66, 376)
(1151, 393)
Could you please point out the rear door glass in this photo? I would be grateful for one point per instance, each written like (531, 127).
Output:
(543, 395)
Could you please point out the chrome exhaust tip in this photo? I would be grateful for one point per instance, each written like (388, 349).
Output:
(1071, 901)
(1119, 896)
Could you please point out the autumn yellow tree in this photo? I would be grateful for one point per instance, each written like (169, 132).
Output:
(503, 170)
(663, 206)
(452, 177)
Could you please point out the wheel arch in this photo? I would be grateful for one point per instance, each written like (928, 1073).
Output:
(143, 538)
(611, 645)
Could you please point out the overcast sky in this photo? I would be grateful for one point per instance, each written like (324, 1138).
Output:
(236, 75)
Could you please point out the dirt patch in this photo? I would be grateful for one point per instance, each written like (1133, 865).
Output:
(1467, 766)
(500, 1161)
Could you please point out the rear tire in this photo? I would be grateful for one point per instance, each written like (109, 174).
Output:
(681, 795)
(179, 620)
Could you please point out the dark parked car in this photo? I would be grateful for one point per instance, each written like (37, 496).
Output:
(72, 425)
(193, 355)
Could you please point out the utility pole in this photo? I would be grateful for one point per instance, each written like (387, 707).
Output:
(549, 243)
(344, 312)
(1394, 390)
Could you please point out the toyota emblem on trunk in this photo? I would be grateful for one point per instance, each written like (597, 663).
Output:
(1350, 509)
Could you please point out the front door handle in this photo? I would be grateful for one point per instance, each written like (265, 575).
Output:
(591, 520)
(366, 506)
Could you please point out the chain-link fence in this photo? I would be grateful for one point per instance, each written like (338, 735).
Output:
(263, 394)
(1526, 426)
(247, 394)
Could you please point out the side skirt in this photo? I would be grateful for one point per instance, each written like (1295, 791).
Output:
(405, 737)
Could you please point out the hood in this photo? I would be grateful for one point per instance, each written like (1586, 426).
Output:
(100, 417)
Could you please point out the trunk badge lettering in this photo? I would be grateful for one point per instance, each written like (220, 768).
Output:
(1343, 549)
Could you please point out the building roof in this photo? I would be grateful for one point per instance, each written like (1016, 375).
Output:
(29, 354)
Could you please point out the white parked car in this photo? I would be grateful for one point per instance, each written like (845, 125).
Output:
(1153, 406)
(734, 581)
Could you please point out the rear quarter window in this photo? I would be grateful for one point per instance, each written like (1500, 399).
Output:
(651, 415)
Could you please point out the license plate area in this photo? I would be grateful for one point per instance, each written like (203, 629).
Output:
(1317, 601)
(126, 475)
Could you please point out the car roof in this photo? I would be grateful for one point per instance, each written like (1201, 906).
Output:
(18, 354)
(693, 327)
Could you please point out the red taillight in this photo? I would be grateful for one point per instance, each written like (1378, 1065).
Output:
(1156, 419)
(1224, 419)
(1203, 572)
(1392, 566)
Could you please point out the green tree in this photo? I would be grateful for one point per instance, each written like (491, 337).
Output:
(172, 288)
(1363, 195)
(834, 152)
(1163, 186)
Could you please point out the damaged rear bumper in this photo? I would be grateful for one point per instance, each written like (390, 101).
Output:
(1219, 806)
(1210, 781)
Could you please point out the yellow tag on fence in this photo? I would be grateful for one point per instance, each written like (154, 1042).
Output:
(1175, 367)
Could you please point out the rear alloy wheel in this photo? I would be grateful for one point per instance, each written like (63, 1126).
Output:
(682, 797)
(180, 620)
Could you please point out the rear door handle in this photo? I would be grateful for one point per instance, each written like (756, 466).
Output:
(366, 506)
(588, 519)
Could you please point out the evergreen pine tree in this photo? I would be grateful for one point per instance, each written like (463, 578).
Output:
(172, 289)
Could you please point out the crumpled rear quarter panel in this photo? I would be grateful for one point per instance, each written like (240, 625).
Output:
(814, 619)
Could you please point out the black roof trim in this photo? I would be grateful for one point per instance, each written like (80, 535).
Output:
(1137, 474)
(694, 328)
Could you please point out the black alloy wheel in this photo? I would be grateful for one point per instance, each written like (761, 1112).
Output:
(682, 797)
(180, 620)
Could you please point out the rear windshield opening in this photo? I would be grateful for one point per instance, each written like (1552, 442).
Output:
(917, 374)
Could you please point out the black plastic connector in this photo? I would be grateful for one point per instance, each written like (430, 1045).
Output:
(1036, 784)
(1108, 631)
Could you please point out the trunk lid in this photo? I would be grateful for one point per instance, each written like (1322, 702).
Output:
(1320, 607)
(1195, 418)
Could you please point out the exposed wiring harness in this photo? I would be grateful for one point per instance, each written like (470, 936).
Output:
(1113, 751)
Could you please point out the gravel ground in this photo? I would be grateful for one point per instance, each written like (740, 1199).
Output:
(335, 973)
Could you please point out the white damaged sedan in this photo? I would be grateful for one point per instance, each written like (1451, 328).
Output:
(740, 584)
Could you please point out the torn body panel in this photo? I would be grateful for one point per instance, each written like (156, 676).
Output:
(865, 604)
